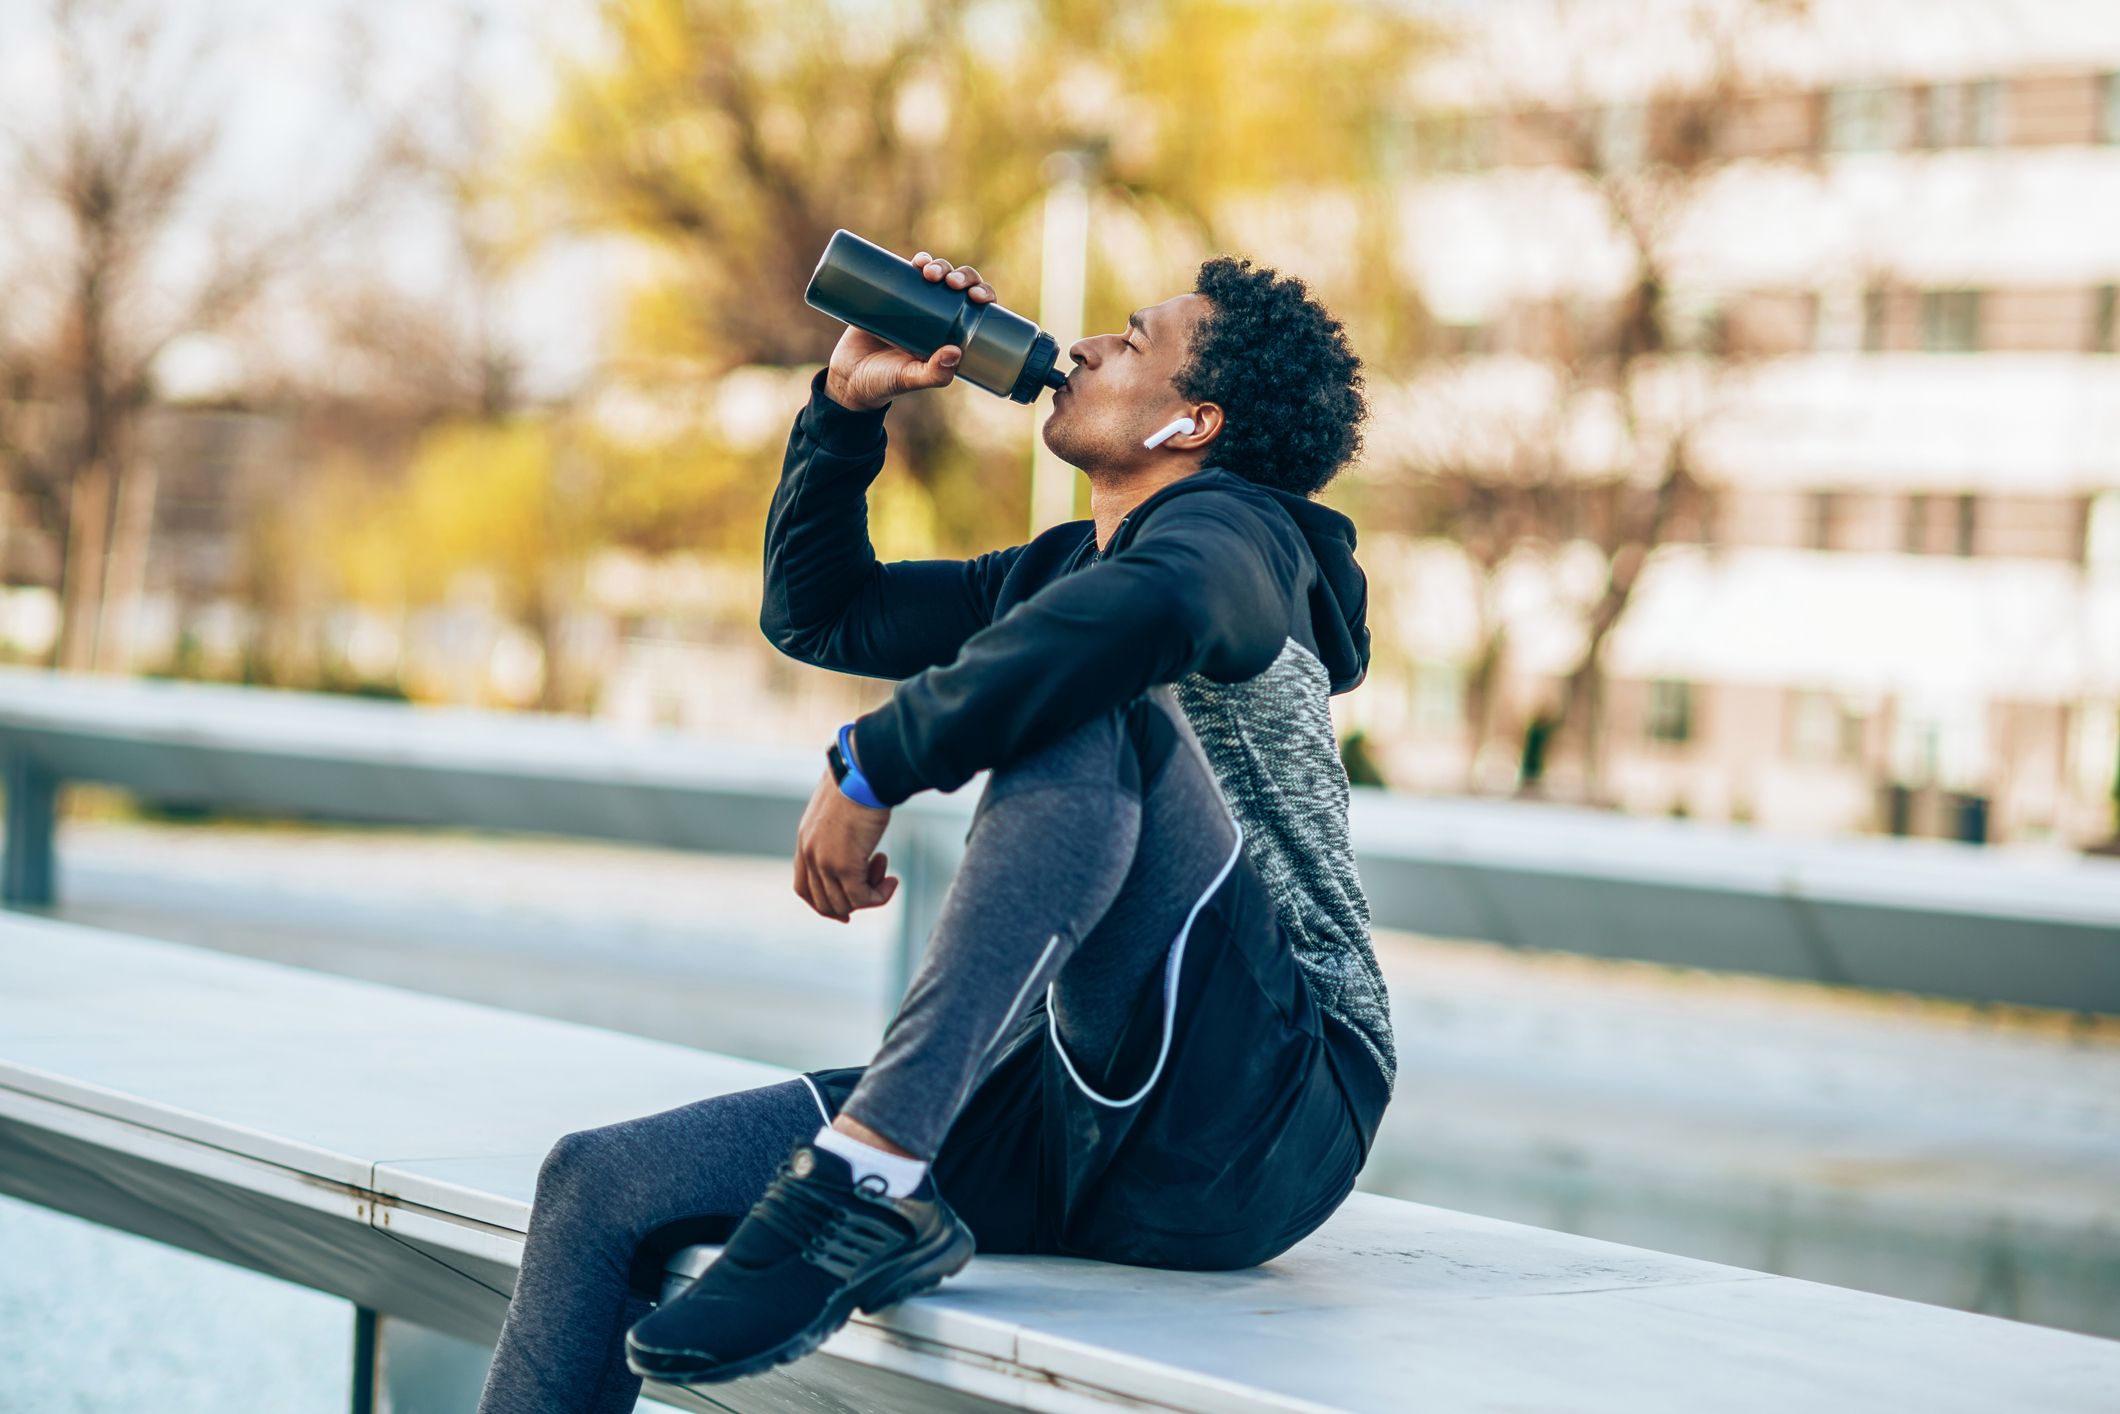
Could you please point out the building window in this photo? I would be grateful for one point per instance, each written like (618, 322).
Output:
(1876, 308)
(1968, 511)
(1620, 135)
(2102, 301)
(1950, 321)
(2095, 747)
(1836, 319)
(2101, 532)
(1961, 114)
(1822, 514)
(1670, 714)
(1694, 319)
(1916, 539)
(1823, 729)
(1939, 120)
(1707, 509)
(1861, 119)
(1984, 121)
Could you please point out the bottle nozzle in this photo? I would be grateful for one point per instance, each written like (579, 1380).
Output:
(1055, 379)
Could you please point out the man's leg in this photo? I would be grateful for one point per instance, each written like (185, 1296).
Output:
(1223, 1127)
(599, 1193)
(1185, 844)
(1083, 861)
(1055, 845)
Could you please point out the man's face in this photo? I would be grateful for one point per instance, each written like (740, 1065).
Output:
(1120, 392)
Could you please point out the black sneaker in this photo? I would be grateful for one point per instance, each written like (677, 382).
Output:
(814, 1247)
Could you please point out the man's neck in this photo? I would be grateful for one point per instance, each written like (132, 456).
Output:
(1110, 501)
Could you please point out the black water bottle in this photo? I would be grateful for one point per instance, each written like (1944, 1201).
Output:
(860, 283)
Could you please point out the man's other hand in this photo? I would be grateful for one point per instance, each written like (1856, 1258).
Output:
(865, 372)
(837, 868)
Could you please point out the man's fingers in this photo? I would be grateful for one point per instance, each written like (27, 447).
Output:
(964, 277)
(881, 886)
(821, 894)
(959, 277)
(941, 366)
(835, 894)
(835, 897)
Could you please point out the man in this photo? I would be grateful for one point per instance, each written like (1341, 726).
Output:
(1148, 689)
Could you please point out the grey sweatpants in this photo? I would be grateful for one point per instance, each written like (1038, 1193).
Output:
(1083, 862)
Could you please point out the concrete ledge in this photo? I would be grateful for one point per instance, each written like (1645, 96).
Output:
(383, 1145)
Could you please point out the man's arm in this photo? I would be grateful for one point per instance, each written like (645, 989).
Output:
(828, 600)
(1205, 586)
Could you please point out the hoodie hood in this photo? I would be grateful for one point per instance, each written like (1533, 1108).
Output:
(1339, 596)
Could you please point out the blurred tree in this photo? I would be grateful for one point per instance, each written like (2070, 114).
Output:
(734, 136)
(1590, 475)
(121, 161)
(442, 468)
(513, 499)
(417, 356)
(1531, 768)
(1358, 761)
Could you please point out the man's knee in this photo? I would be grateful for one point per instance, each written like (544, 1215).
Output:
(573, 1163)
(1087, 754)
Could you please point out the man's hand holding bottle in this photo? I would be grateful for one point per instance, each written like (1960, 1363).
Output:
(865, 372)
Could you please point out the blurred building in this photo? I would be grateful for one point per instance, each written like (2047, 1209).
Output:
(1892, 309)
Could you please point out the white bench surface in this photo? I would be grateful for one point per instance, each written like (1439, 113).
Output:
(438, 1112)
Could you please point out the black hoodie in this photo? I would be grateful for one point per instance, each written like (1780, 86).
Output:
(1245, 598)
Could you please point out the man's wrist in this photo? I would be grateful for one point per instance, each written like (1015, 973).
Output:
(852, 783)
(836, 389)
(841, 430)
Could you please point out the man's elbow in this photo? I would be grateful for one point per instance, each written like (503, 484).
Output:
(1231, 645)
(785, 636)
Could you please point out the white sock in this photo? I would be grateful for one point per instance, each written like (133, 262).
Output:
(901, 1175)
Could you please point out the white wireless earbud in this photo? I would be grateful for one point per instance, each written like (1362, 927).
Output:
(1183, 424)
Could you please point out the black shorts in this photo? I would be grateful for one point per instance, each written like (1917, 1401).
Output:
(1258, 1113)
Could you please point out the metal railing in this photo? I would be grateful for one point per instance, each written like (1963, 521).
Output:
(1979, 923)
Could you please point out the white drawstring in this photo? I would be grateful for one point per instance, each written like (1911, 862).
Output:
(1171, 966)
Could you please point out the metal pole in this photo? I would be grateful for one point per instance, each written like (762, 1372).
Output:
(429, 1371)
(925, 857)
(364, 1353)
(1060, 298)
(32, 816)
(402, 1367)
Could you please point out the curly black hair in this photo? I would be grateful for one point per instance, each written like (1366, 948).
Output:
(1283, 373)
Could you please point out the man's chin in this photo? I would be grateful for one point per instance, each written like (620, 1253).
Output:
(1057, 446)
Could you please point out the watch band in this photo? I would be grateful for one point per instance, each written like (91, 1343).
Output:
(852, 784)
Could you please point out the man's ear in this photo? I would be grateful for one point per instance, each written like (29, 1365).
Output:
(1207, 424)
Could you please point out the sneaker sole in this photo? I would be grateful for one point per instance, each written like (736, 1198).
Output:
(917, 1271)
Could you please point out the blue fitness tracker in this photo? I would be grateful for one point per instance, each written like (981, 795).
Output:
(852, 784)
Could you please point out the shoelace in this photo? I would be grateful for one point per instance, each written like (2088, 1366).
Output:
(826, 1234)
